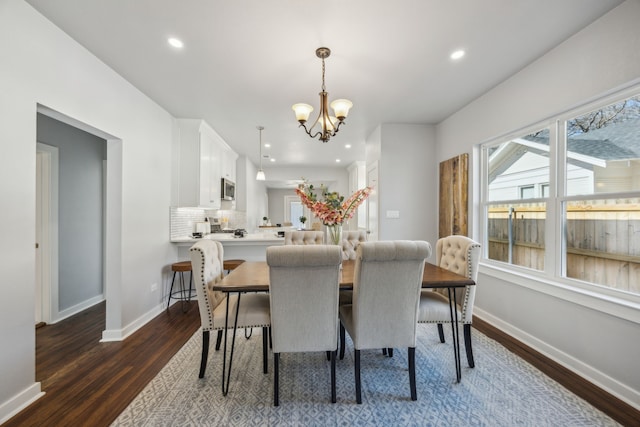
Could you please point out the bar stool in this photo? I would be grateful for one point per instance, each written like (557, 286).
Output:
(181, 267)
(231, 264)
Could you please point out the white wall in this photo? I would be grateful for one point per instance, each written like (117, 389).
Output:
(408, 180)
(42, 65)
(598, 339)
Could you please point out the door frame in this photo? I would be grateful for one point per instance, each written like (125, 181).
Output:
(47, 228)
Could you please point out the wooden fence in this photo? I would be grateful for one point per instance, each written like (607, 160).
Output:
(602, 240)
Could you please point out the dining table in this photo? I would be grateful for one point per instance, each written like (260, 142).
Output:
(253, 276)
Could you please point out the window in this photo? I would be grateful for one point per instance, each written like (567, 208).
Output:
(527, 191)
(580, 175)
(515, 229)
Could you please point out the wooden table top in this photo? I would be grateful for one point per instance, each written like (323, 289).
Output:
(253, 276)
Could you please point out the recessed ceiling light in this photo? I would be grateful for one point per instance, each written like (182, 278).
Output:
(337, 160)
(347, 146)
(177, 43)
(272, 159)
(267, 145)
(457, 54)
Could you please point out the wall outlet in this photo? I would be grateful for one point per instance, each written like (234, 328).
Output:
(154, 287)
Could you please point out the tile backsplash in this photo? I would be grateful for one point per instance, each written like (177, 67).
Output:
(183, 220)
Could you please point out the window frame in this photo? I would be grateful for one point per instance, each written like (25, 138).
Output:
(552, 278)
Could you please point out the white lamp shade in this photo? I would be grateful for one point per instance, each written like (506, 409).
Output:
(302, 111)
(260, 175)
(341, 107)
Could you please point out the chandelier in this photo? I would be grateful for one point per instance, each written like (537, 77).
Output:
(328, 125)
(260, 175)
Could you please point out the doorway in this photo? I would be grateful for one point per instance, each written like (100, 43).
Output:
(79, 229)
(372, 202)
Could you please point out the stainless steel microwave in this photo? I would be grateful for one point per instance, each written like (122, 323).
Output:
(228, 189)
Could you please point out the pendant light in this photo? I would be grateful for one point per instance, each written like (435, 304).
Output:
(260, 176)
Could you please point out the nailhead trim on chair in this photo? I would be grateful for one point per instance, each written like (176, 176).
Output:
(211, 326)
(465, 302)
(204, 284)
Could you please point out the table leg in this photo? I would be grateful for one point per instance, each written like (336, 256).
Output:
(225, 387)
(453, 308)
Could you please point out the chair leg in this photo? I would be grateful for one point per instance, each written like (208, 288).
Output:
(328, 355)
(333, 375)
(205, 353)
(390, 352)
(467, 345)
(190, 285)
(171, 289)
(441, 332)
(265, 344)
(276, 383)
(342, 340)
(218, 340)
(412, 373)
(356, 357)
(384, 351)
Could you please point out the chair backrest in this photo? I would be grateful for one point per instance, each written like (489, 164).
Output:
(303, 288)
(350, 242)
(461, 255)
(303, 237)
(386, 291)
(207, 269)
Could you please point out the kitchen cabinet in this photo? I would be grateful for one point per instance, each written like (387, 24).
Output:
(203, 153)
(228, 164)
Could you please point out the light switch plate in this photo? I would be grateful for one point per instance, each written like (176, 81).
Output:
(393, 214)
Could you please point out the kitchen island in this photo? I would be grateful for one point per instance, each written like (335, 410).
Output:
(251, 247)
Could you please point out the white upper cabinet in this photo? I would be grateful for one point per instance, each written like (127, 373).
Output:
(228, 164)
(204, 158)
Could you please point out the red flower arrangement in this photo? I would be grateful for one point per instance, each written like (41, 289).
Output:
(333, 209)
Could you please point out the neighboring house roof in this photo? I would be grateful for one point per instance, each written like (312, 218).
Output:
(616, 142)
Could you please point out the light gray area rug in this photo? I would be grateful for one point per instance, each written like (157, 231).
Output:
(502, 390)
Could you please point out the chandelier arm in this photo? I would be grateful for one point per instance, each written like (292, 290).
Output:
(308, 131)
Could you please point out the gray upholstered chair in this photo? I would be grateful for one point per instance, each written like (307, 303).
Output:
(303, 238)
(459, 254)
(350, 242)
(303, 287)
(207, 267)
(386, 290)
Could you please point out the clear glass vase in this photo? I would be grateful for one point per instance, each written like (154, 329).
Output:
(334, 233)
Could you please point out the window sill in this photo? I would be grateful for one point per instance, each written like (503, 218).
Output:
(622, 305)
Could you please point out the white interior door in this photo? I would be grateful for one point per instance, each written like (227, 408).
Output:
(372, 202)
(46, 291)
(38, 290)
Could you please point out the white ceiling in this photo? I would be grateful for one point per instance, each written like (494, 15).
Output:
(245, 62)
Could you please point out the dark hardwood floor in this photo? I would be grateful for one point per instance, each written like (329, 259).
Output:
(88, 383)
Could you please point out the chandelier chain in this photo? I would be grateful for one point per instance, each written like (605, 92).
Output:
(323, 87)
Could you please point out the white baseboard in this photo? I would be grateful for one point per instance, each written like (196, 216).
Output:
(121, 334)
(605, 382)
(20, 401)
(61, 315)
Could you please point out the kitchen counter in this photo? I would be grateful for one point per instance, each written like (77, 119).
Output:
(230, 239)
(251, 247)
